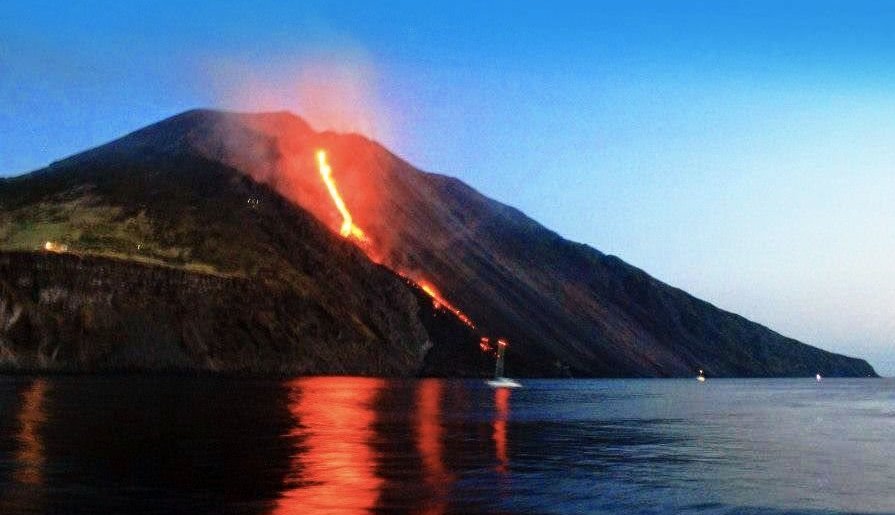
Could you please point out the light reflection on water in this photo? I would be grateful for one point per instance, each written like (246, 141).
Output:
(430, 443)
(334, 464)
(358, 445)
(27, 478)
(502, 405)
(30, 456)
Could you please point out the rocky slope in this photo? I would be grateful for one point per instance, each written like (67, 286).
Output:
(217, 193)
(170, 268)
(77, 313)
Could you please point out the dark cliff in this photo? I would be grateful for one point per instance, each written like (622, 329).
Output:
(63, 312)
(74, 313)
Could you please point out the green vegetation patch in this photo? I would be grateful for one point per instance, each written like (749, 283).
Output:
(85, 225)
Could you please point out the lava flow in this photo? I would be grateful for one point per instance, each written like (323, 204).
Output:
(348, 230)
(440, 302)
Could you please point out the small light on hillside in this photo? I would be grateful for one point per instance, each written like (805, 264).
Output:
(52, 246)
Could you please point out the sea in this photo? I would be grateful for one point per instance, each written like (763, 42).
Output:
(330, 445)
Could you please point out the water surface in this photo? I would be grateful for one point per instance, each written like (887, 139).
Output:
(354, 445)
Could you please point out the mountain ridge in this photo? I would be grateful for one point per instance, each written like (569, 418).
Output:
(566, 307)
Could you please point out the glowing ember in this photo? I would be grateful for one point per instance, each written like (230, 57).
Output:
(348, 230)
(485, 344)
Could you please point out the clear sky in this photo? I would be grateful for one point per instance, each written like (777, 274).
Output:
(743, 151)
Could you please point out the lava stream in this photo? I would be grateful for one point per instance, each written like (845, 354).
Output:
(440, 301)
(348, 230)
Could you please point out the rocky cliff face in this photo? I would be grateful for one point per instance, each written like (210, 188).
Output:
(239, 195)
(62, 312)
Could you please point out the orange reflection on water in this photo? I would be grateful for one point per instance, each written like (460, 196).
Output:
(31, 456)
(502, 405)
(430, 442)
(334, 465)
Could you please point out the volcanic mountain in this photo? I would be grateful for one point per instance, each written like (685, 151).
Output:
(212, 239)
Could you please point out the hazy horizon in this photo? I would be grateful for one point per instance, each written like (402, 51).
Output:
(739, 151)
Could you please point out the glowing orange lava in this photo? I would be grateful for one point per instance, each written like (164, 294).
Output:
(439, 301)
(348, 229)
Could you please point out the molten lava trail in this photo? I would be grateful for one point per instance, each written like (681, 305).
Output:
(348, 230)
(441, 302)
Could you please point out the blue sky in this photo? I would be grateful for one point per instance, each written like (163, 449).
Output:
(742, 151)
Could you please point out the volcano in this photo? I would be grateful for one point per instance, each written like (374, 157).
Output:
(237, 201)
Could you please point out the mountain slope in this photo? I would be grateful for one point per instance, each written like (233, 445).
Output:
(146, 223)
(102, 314)
(565, 307)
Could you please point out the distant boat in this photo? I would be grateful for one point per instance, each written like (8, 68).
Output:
(819, 378)
(701, 376)
(499, 380)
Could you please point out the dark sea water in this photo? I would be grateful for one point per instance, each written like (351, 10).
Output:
(348, 445)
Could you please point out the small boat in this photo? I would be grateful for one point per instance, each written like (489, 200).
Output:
(819, 378)
(504, 382)
(701, 376)
(499, 380)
